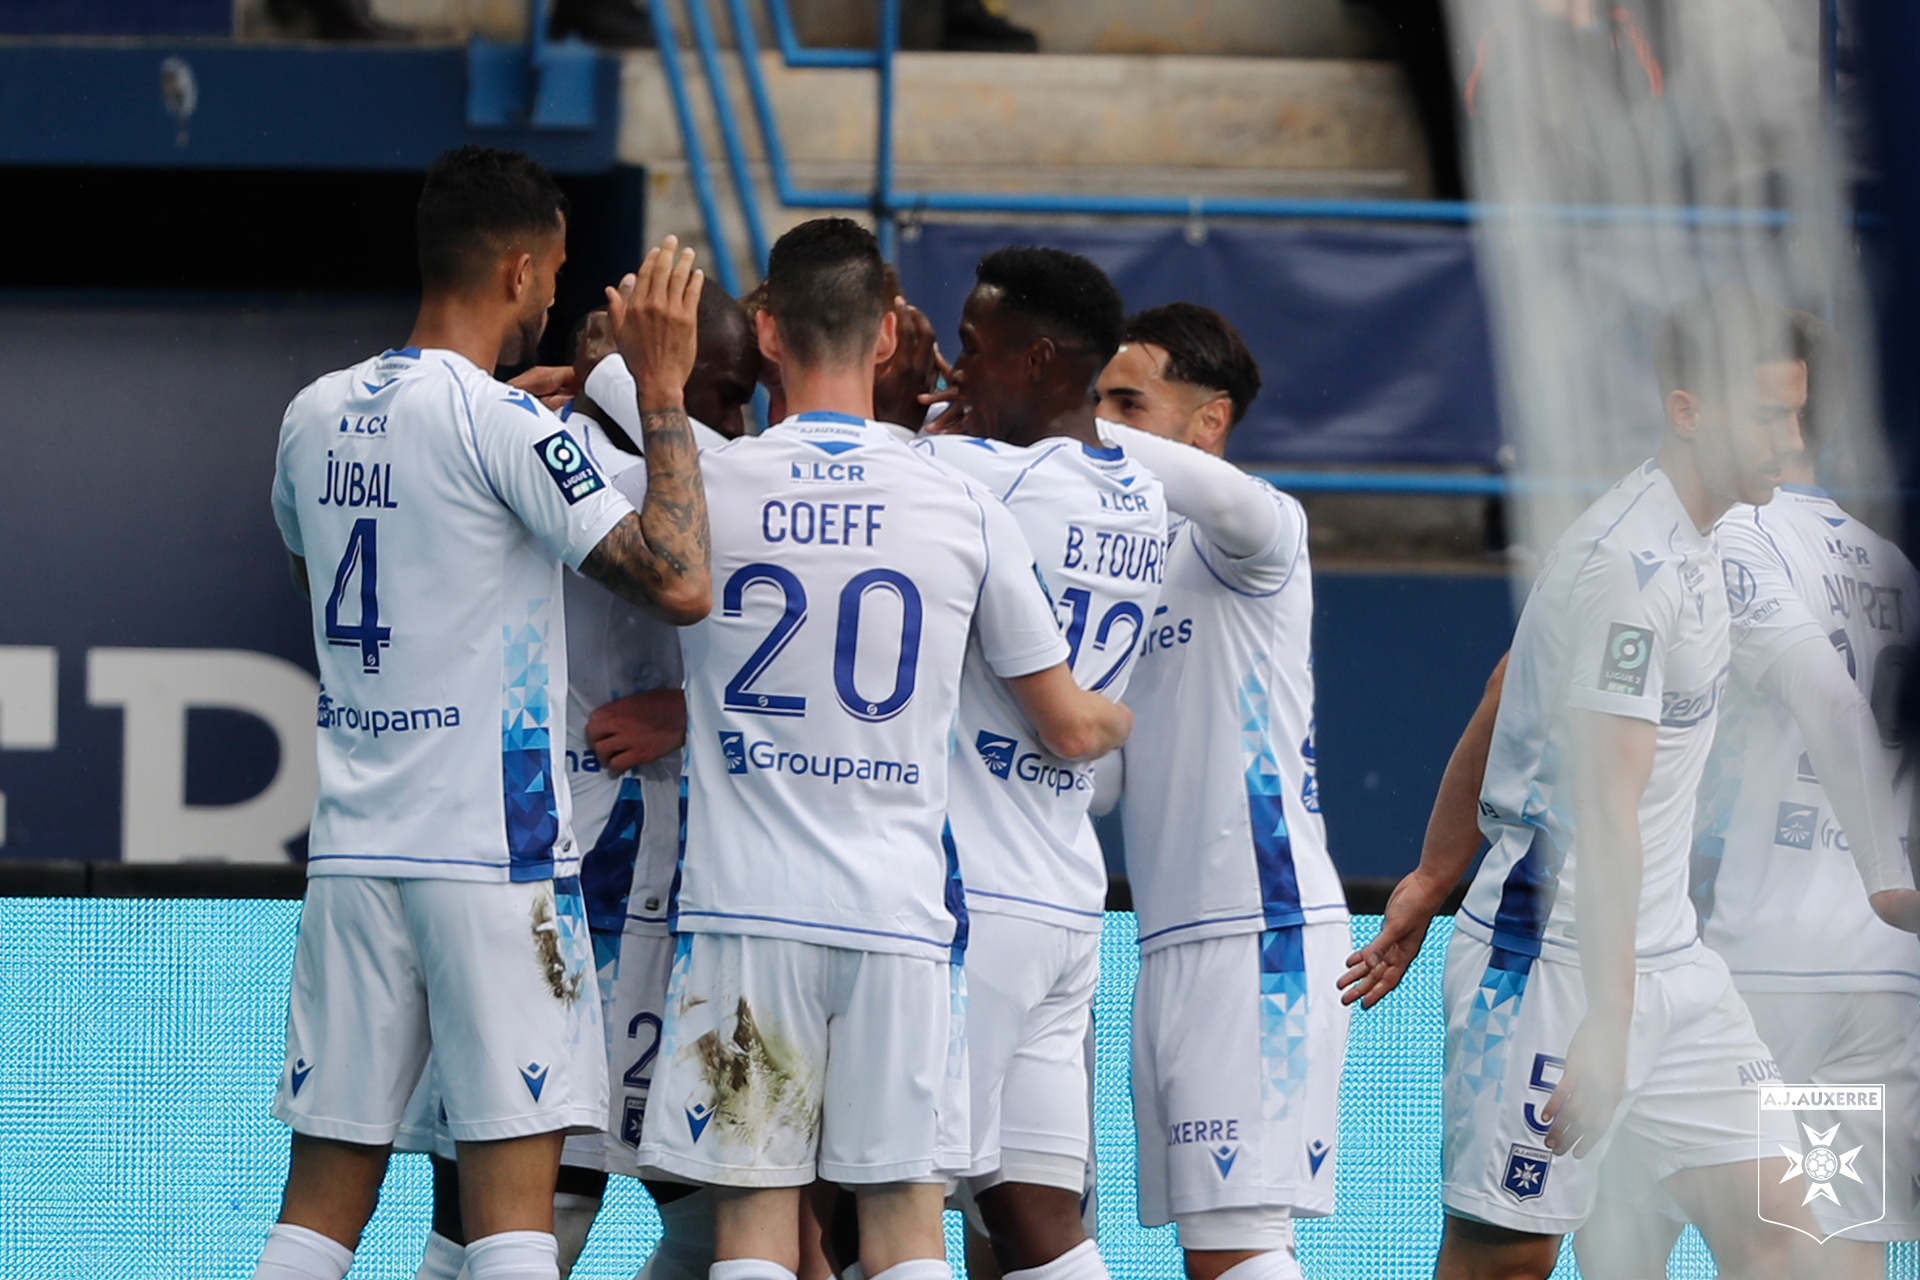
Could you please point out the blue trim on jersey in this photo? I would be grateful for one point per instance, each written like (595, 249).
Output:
(1266, 808)
(1194, 529)
(1807, 490)
(1526, 898)
(606, 870)
(956, 894)
(1036, 902)
(814, 924)
(1252, 915)
(679, 864)
(1111, 453)
(1028, 470)
(411, 353)
(828, 415)
(397, 857)
(529, 800)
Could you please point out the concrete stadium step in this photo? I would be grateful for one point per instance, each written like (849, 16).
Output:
(1118, 124)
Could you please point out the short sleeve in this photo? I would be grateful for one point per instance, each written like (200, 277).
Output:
(543, 472)
(1014, 622)
(1768, 615)
(1618, 630)
(285, 513)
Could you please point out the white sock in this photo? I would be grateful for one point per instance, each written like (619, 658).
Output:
(748, 1269)
(295, 1253)
(1275, 1264)
(1082, 1262)
(685, 1251)
(917, 1269)
(514, 1255)
(572, 1219)
(441, 1259)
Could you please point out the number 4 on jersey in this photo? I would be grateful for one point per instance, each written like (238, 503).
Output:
(361, 554)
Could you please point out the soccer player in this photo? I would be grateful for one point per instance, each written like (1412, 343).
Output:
(1798, 814)
(1581, 1006)
(626, 723)
(1037, 329)
(438, 506)
(815, 1018)
(1238, 1034)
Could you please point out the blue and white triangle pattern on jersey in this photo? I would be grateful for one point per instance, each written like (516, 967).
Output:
(1266, 803)
(532, 810)
(1283, 1019)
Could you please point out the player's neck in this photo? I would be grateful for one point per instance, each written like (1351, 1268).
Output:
(846, 390)
(1800, 473)
(1676, 461)
(1075, 423)
(451, 322)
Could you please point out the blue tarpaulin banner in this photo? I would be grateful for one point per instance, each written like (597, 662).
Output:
(1373, 343)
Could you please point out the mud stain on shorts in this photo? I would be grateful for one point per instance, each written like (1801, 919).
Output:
(564, 985)
(762, 1086)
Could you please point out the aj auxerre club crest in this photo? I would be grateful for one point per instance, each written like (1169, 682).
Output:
(1842, 1133)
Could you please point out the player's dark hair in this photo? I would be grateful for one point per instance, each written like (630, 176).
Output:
(1063, 291)
(1203, 350)
(1712, 342)
(1826, 381)
(474, 203)
(826, 290)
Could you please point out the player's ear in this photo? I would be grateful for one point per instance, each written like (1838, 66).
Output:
(1040, 354)
(888, 338)
(1212, 422)
(767, 334)
(519, 275)
(1683, 413)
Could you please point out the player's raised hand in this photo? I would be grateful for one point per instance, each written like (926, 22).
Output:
(1591, 1085)
(910, 372)
(639, 729)
(1376, 969)
(594, 345)
(654, 316)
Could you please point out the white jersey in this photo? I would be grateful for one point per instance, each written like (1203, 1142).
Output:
(1780, 898)
(1222, 807)
(1096, 521)
(628, 825)
(1627, 618)
(434, 507)
(848, 570)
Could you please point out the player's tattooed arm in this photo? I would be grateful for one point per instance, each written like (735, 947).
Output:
(1453, 837)
(660, 557)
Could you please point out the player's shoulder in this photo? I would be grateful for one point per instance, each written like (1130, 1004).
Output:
(1637, 536)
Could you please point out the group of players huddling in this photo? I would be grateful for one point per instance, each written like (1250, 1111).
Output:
(778, 890)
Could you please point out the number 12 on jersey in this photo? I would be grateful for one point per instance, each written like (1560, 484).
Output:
(361, 557)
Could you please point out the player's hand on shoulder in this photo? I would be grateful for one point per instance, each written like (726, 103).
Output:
(654, 317)
(639, 729)
(551, 384)
(1376, 969)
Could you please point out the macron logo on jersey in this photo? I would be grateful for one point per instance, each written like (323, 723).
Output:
(996, 752)
(569, 466)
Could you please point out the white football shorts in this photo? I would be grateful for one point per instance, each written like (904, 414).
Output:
(498, 978)
(785, 1061)
(634, 983)
(1030, 989)
(1694, 1062)
(1238, 1044)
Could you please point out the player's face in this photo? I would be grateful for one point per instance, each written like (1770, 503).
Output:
(1743, 446)
(548, 253)
(725, 372)
(991, 372)
(1134, 391)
